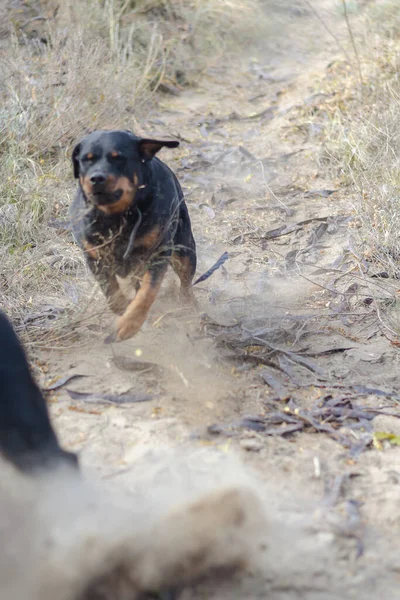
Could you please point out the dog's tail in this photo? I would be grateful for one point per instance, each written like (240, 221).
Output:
(27, 438)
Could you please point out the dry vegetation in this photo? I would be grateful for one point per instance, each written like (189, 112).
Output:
(363, 134)
(357, 119)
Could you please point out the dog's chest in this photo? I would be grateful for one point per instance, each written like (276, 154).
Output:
(122, 249)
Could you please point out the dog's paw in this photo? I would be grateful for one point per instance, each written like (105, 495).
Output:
(127, 328)
(187, 297)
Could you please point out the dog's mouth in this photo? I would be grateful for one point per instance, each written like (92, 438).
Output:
(101, 198)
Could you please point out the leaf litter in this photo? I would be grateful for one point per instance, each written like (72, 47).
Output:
(292, 376)
(97, 397)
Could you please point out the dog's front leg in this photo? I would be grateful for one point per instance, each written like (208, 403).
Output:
(104, 273)
(136, 313)
(116, 300)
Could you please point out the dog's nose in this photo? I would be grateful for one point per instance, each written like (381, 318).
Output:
(97, 178)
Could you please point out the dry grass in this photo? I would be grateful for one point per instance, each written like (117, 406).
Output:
(364, 136)
(77, 67)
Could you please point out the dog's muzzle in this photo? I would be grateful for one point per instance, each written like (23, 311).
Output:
(100, 198)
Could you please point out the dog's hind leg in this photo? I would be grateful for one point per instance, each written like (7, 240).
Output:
(183, 258)
(182, 263)
(109, 285)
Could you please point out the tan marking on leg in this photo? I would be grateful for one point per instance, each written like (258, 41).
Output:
(149, 240)
(183, 268)
(137, 311)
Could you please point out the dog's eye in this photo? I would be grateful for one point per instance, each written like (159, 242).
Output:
(89, 157)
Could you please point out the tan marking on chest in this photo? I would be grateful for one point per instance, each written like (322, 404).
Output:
(150, 239)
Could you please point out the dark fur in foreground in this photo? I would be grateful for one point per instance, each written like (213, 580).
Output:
(130, 219)
(26, 435)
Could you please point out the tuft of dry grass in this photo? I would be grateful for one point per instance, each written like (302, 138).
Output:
(363, 139)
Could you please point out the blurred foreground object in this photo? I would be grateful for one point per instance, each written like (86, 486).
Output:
(27, 438)
(61, 537)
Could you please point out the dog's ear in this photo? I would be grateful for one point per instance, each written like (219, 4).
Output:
(75, 160)
(149, 148)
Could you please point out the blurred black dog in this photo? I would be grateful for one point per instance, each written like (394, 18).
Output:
(130, 218)
(27, 438)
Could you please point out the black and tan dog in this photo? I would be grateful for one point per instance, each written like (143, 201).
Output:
(130, 218)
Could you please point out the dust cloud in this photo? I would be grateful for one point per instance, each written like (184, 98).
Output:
(64, 536)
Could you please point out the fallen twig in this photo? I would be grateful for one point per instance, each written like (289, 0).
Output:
(109, 398)
(223, 258)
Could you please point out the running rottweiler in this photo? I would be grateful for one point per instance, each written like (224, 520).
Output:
(130, 219)
(27, 438)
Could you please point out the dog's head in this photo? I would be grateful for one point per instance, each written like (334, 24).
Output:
(110, 167)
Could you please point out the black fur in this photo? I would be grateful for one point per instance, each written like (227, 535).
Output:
(27, 438)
